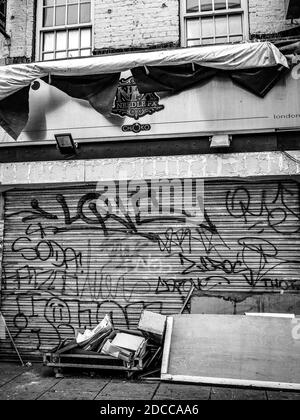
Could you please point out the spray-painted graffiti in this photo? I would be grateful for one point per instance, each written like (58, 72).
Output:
(67, 261)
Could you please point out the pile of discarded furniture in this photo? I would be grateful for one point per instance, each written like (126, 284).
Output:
(253, 350)
(104, 347)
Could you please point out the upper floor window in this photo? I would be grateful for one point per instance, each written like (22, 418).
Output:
(208, 22)
(65, 29)
(3, 5)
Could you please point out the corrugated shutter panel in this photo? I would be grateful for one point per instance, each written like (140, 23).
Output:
(64, 267)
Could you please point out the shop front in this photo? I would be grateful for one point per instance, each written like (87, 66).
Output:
(87, 237)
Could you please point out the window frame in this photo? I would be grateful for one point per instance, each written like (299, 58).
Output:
(184, 17)
(40, 30)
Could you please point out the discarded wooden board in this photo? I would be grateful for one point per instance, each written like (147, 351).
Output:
(128, 341)
(261, 352)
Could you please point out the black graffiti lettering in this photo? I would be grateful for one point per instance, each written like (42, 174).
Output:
(207, 264)
(182, 286)
(36, 213)
(46, 250)
(240, 205)
(175, 239)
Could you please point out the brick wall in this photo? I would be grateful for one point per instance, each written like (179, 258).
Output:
(136, 23)
(20, 28)
(240, 165)
(268, 16)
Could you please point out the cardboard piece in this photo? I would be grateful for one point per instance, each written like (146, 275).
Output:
(153, 323)
(104, 326)
(130, 342)
(117, 352)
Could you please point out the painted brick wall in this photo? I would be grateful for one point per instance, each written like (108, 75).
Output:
(268, 16)
(240, 165)
(20, 27)
(136, 23)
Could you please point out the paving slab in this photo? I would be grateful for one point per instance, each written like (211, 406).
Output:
(281, 395)
(68, 395)
(36, 382)
(77, 384)
(13, 394)
(127, 390)
(29, 381)
(237, 394)
(168, 391)
(9, 372)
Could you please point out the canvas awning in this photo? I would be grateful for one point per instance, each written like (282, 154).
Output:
(255, 66)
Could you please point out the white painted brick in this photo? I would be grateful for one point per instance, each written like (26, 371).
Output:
(196, 166)
(267, 16)
(132, 24)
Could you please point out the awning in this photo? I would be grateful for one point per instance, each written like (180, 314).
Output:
(254, 66)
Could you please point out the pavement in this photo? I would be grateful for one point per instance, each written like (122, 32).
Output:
(39, 383)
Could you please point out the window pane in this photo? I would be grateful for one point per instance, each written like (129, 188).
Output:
(86, 52)
(85, 13)
(238, 38)
(60, 2)
(222, 40)
(220, 4)
(72, 1)
(73, 53)
(221, 25)
(207, 41)
(61, 40)
(233, 4)
(85, 41)
(48, 17)
(207, 27)
(193, 42)
(72, 14)
(193, 28)
(48, 56)
(235, 24)
(60, 13)
(192, 6)
(60, 55)
(48, 2)
(206, 5)
(48, 44)
(73, 39)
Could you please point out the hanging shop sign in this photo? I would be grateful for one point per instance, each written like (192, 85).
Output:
(131, 103)
(218, 106)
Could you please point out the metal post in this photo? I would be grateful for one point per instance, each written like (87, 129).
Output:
(11, 339)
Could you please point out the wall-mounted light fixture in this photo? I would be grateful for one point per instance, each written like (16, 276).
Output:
(66, 144)
(220, 141)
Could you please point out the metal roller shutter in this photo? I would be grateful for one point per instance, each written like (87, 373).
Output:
(64, 267)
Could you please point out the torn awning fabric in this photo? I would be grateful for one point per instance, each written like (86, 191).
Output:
(98, 90)
(176, 78)
(14, 112)
(95, 78)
